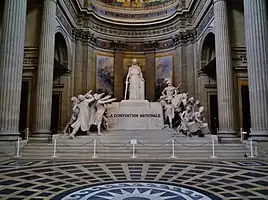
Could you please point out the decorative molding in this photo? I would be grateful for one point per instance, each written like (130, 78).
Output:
(30, 57)
(184, 38)
(202, 26)
(134, 32)
(150, 46)
(71, 9)
(67, 26)
(239, 56)
(195, 13)
(118, 45)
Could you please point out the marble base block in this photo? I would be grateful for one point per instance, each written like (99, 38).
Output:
(135, 115)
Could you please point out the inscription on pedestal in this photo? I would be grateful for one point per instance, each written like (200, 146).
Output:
(135, 115)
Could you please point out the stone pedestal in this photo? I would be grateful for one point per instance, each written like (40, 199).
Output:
(135, 115)
(11, 66)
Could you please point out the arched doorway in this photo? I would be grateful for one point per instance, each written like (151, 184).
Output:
(59, 83)
(207, 74)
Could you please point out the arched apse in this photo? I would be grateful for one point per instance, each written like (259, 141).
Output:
(61, 83)
(64, 39)
(208, 56)
(208, 48)
(207, 77)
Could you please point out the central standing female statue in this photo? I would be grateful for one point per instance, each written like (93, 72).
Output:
(134, 82)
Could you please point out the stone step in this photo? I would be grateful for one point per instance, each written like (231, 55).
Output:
(128, 156)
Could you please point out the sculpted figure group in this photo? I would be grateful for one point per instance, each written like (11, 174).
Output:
(88, 109)
(185, 114)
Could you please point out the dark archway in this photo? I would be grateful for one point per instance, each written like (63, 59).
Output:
(209, 83)
(60, 68)
(208, 56)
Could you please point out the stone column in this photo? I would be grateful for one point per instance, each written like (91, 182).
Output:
(119, 75)
(78, 70)
(256, 27)
(11, 66)
(85, 44)
(150, 76)
(90, 68)
(44, 84)
(177, 66)
(190, 69)
(224, 72)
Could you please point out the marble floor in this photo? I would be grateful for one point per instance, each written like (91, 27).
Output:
(200, 180)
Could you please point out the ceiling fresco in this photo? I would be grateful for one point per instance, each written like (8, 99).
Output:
(141, 4)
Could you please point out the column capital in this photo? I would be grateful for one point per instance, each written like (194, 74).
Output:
(118, 45)
(150, 46)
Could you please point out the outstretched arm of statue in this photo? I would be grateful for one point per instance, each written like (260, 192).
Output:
(89, 92)
(106, 97)
(106, 101)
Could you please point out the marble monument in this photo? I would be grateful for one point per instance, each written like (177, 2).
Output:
(190, 120)
(134, 82)
(136, 113)
(88, 110)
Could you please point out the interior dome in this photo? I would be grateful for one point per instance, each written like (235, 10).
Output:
(134, 10)
(137, 4)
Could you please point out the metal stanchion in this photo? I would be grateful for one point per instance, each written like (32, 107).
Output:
(173, 149)
(27, 134)
(54, 149)
(251, 149)
(18, 149)
(133, 142)
(241, 134)
(213, 149)
(94, 149)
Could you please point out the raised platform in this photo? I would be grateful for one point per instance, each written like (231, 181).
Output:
(135, 115)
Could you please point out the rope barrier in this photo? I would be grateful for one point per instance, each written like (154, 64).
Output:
(78, 145)
(192, 146)
(154, 146)
(114, 146)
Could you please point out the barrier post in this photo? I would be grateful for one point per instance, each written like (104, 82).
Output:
(173, 149)
(18, 148)
(213, 149)
(54, 149)
(94, 149)
(241, 134)
(27, 134)
(251, 149)
(133, 142)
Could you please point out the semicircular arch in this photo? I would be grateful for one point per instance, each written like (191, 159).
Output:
(61, 39)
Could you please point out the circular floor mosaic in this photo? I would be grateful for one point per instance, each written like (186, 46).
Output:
(136, 191)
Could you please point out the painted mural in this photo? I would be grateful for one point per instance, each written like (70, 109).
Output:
(137, 3)
(104, 73)
(163, 69)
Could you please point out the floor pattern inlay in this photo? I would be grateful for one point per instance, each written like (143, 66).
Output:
(136, 191)
(203, 180)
